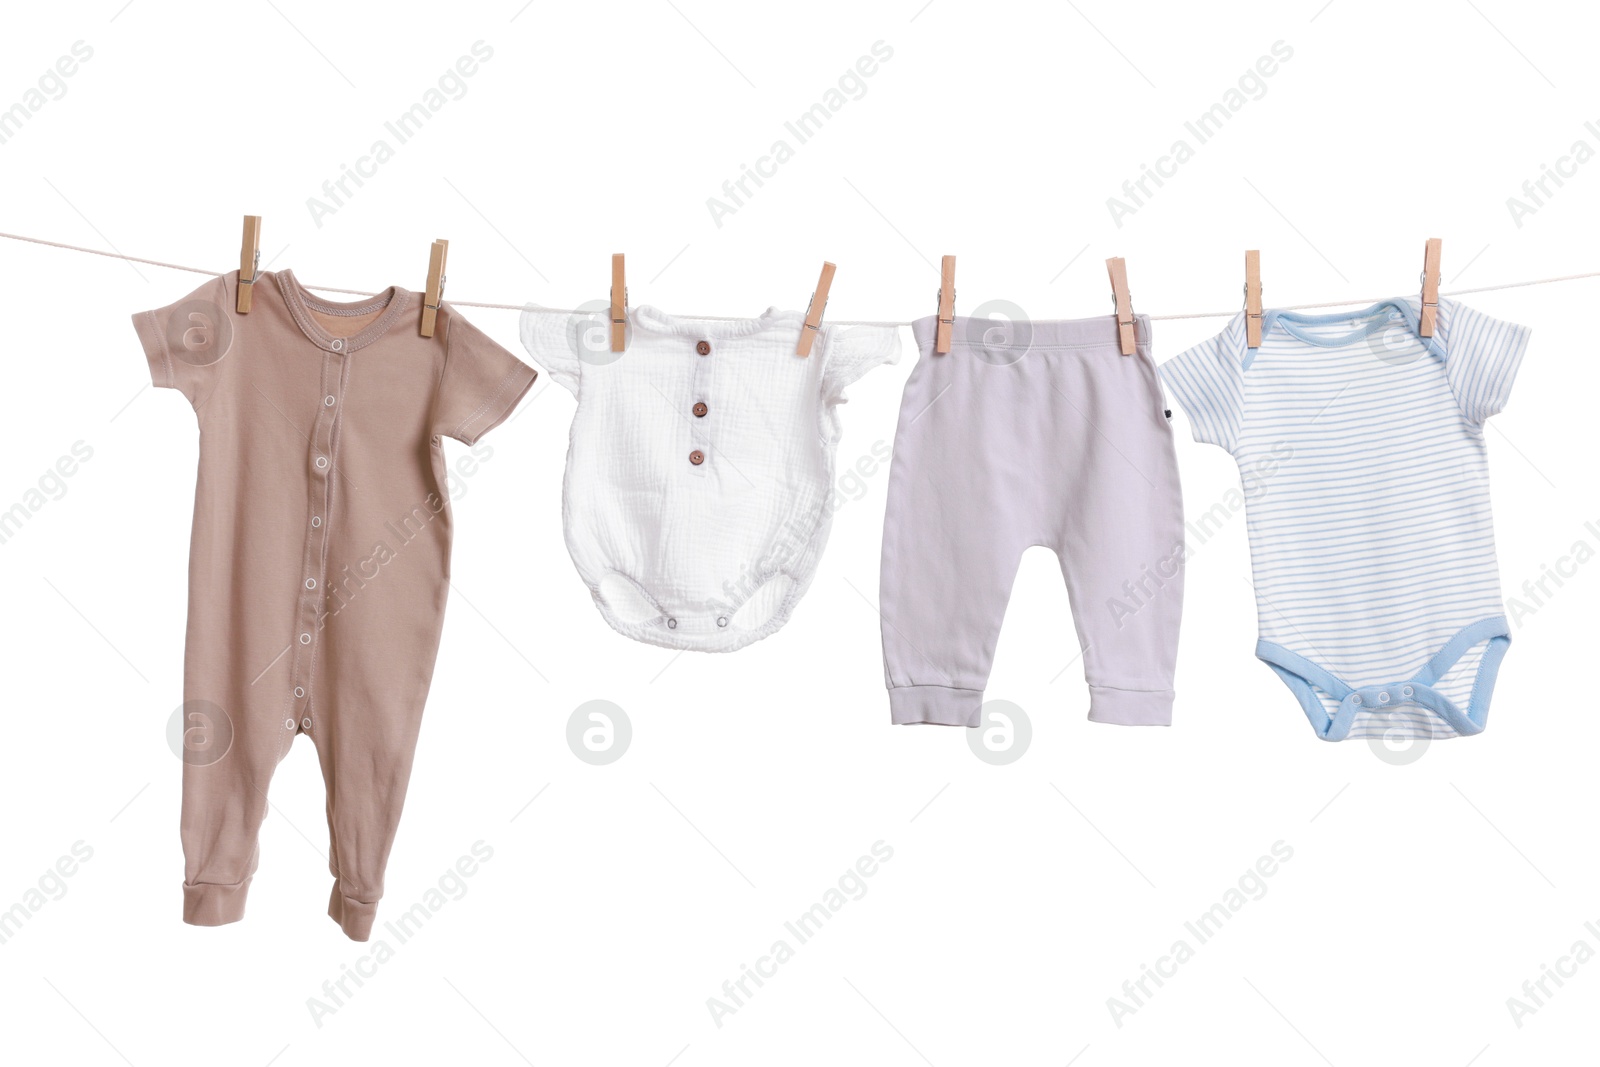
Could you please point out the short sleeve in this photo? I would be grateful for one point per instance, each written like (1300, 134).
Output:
(561, 341)
(1482, 355)
(1208, 382)
(849, 352)
(187, 342)
(481, 383)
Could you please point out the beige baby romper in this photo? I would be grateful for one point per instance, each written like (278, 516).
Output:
(320, 559)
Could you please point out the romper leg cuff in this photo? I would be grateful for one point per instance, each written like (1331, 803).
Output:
(211, 904)
(355, 917)
(1130, 707)
(936, 704)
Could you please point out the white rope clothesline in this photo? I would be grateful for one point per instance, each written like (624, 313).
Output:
(836, 322)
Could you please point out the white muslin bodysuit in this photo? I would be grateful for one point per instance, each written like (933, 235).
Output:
(700, 468)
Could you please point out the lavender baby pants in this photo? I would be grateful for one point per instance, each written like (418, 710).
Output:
(1031, 433)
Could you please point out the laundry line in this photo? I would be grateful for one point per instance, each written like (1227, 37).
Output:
(537, 309)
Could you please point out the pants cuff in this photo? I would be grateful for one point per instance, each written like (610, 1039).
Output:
(1130, 707)
(355, 917)
(937, 704)
(211, 904)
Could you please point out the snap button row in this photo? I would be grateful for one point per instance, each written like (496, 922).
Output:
(327, 401)
(305, 639)
(299, 692)
(311, 583)
(322, 461)
(305, 724)
(672, 624)
(1356, 700)
(338, 344)
(288, 724)
(316, 520)
(722, 620)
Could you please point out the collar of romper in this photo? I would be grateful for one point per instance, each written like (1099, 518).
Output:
(301, 303)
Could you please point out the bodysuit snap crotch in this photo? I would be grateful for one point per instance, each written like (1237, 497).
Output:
(1420, 705)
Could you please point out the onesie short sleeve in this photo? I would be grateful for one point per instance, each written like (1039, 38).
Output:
(481, 383)
(561, 342)
(1482, 355)
(849, 352)
(186, 342)
(1208, 381)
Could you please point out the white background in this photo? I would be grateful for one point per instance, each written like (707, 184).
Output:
(1020, 897)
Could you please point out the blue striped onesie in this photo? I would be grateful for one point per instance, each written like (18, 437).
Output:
(1371, 540)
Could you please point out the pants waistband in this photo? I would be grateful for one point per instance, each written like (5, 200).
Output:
(1031, 334)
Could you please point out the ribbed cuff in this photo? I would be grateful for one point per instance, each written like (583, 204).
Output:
(936, 704)
(355, 917)
(1130, 707)
(210, 904)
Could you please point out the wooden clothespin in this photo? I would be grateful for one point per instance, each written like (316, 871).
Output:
(819, 301)
(1430, 287)
(249, 262)
(619, 305)
(947, 305)
(1252, 299)
(1117, 267)
(433, 299)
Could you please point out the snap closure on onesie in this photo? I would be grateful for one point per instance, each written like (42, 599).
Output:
(1449, 697)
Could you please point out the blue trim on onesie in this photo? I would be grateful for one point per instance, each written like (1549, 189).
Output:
(1305, 679)
(1376, 314)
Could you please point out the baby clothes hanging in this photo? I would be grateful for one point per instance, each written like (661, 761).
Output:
(1371, 539)
(320, 555)
(1040, 433)
(700, 467)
